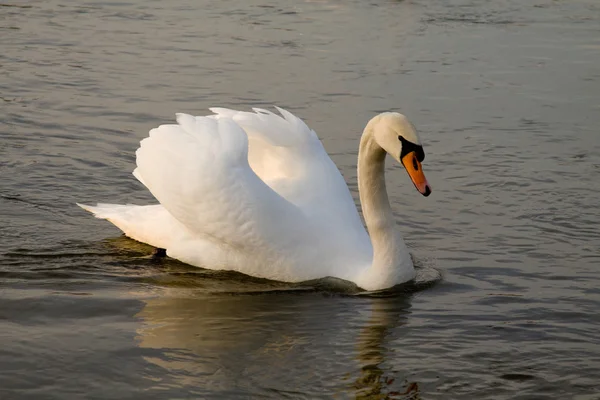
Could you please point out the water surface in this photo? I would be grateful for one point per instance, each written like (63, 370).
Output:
(506, 96)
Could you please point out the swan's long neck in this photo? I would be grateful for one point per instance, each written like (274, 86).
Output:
(391, 260)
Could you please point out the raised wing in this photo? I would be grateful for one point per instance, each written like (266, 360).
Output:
(287, 155)
(198, 170)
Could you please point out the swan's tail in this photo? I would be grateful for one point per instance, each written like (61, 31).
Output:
(106, 211)
(147, 224)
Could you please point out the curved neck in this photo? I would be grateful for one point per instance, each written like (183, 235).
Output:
(389, 251)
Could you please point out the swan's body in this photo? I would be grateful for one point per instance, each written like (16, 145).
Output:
(258, 194)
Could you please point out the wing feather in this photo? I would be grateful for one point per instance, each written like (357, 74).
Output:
(288, 155)
(198, 170)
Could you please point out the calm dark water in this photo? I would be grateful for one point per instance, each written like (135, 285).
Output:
(506, 95)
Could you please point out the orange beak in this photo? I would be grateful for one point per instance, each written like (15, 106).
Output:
(415, 171)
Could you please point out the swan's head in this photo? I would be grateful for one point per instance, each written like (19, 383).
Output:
(398, 137)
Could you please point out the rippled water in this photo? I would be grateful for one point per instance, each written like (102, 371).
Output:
(506, 95)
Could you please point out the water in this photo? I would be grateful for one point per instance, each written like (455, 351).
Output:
(506, 96)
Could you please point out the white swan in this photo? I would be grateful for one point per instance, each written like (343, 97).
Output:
(257, 193)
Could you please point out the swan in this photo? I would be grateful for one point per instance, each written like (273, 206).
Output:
(256, 192)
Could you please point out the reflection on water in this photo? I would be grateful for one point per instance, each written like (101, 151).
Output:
(374, 382)
(242, 342)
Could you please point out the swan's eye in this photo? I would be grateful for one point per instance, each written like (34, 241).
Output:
(407, 147)
(420, 154)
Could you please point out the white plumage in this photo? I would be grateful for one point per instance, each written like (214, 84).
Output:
(256, 192)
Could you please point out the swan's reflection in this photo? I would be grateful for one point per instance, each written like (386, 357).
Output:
(273, 344)
(384, 325)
